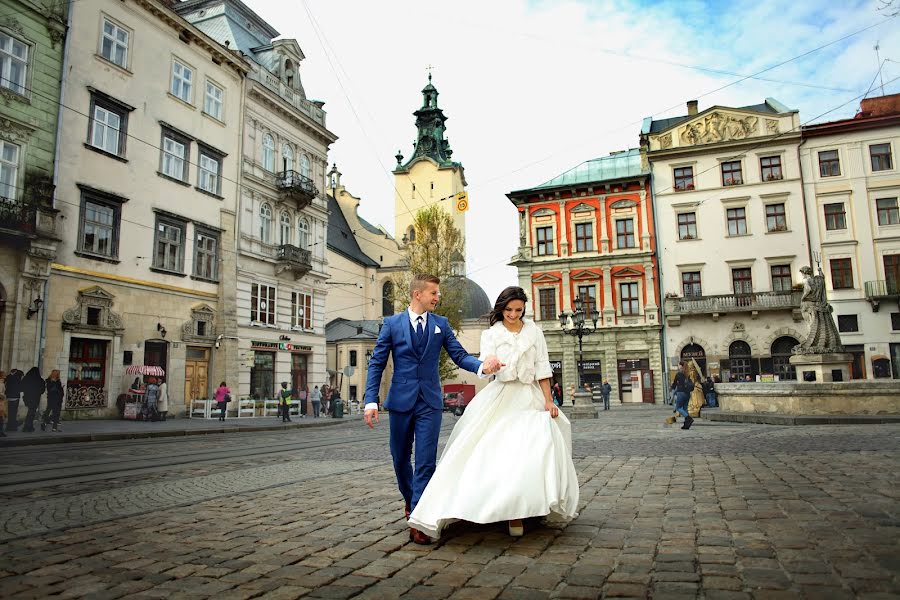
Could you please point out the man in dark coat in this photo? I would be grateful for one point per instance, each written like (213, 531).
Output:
(13, 390)
(33, 387)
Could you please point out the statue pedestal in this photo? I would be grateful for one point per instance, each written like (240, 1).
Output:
(821, 368)
(584, 407)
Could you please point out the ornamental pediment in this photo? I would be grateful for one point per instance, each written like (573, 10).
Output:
(583, 275)
(718, 126)
(627, 272)
(546, 278)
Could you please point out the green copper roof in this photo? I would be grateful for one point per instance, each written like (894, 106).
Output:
(620, 165)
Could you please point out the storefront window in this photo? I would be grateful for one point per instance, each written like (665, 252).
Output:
(87, 374)
(262, 375)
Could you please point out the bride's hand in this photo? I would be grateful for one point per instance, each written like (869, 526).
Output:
(551, 408)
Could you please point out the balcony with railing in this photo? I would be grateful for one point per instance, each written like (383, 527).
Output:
(17, 218)
(882, 289)
(752, 303)
(299, 188)
(291, 259)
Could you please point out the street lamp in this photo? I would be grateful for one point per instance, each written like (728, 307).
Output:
(368, 357)
(579, 330)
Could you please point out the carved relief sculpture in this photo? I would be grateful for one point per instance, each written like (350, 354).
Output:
(717, 127)
(665, 141)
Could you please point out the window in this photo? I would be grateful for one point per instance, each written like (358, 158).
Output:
(9, 170)
(114, 44)
(625, 233)
(303, 234)
(287, 158)
(628, 298)
(687, 226)
(301, 310)
(268, 153)
(847, 323)
(304, 166)
(107, 126)
(770, 168)
(835, 217)
(829, 163)
(881, 157)
(387, 299)
(742, 279)
(210, 163)
(285, 228)
(545, 241)
(212, 101)
(775, 217)
(684, 178)
(99, 226)
(895, 321)
(175, 154)
(265, 223)
(740, 359)
(262, 303)
(888, 214)
(841, 274)
(781, 278)
(892, 273)
(353, 358)
(182, 81)
(13, 63)
(737, 221)
(588, 293)
(547, 298)
(731, 173)
(584, 237)
(206, 255)
(690, 284)
(169, 253)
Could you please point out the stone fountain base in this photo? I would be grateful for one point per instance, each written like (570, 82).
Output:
(822, 367)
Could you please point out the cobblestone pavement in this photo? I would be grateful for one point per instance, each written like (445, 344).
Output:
(720, 511)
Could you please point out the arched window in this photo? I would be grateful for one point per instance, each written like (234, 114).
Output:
(696, 352)
(265, 222)
(285, 228)
(781, 358)
(269, 153)
(411, 234)
(304, 165)
(739, 359)
(387, 304)
(287, 158)
(289, 73)
(303, 233)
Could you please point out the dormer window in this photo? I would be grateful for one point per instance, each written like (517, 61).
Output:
(289, 72)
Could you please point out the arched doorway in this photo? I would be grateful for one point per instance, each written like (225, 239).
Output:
(781, 356)
(739, 359)
(387, 301)
(695, 352)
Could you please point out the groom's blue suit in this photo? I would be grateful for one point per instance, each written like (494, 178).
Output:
(414, 401)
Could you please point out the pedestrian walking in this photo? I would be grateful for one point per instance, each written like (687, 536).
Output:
(33, 387)
(55, 394)
(316, 397)
(605, 390)
(335, 399)
(682, 388)
(284, 400)
(162, 403)
(326, 399)
(302, 397)
(4, 409)
(13, 393)
(556, 393)
(223, 396)
(151, 400)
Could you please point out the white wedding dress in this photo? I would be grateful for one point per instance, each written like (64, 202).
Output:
(507, 458)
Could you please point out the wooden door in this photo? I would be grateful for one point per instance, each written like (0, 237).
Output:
(647, 377)
(196, 382)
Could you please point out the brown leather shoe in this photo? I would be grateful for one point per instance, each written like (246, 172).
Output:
(418, 537)
(407, 510)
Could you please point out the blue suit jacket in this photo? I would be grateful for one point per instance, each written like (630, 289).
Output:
(414, 376)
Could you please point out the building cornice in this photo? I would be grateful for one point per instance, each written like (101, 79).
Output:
(274, 102)
(742, 146)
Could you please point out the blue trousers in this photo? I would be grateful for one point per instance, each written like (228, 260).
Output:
(681, 402)
(422, 426)
(711, 400)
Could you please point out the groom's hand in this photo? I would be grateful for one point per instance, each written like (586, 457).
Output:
(491, 365)
(371, 417)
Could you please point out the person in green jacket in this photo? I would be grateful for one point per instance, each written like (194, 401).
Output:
(284, 401)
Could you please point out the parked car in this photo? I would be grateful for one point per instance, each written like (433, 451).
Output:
(455, 402)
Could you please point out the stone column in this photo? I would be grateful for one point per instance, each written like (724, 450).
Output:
(563, 230)
(609, 310)
(645, 222)
(604, 221)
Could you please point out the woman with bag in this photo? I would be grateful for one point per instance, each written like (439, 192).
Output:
(223, 397)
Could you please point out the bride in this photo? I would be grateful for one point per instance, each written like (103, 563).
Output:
(510, 455)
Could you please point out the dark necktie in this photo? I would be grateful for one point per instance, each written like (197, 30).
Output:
(420, 329)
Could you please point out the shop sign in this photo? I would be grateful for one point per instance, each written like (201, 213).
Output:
(556, 365)
(634, 364)
(590, 365)
(256, 345)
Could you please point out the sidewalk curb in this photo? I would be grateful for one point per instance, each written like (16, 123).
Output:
(781, 419)
(129, 435)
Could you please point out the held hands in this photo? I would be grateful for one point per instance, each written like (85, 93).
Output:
(550, 407)
(371, 417)
(491, 365)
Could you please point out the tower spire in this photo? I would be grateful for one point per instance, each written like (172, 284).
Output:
(430, 122)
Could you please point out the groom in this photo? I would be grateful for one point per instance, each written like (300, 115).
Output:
(415, 403)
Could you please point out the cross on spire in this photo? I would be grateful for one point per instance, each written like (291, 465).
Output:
(429, 68)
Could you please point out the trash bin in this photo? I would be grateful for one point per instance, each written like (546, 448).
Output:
(338, 409)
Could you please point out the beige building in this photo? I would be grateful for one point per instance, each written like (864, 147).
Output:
(731, 230)
(147, 196)
(277, 320)
(852, 185)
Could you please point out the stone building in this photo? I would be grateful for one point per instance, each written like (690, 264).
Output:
(147, 195)
(731, 236)
(31, 53)
(852, 185)
(590, 233)
(276, 322)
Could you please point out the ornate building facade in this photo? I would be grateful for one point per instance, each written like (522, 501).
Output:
(852, 185)
(276, 319)
(590, 233)
(32, 38)
(732, 236)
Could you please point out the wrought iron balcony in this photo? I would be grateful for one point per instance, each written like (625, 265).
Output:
(730, 303)
(297, 187)
(293, 259)
(17, 218)
(882, 289)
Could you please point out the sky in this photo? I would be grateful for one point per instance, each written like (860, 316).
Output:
(532, 89)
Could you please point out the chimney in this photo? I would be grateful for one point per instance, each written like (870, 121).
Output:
(692, 108)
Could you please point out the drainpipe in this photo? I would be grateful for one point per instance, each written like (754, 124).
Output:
(803, 199)
(659, 279)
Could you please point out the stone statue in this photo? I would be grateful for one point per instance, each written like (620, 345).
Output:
(823, 337)
(522, 225)
(695, 402)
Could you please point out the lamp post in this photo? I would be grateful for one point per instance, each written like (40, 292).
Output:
(579, 329)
